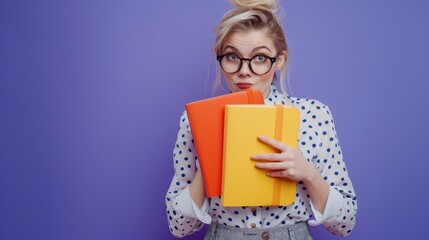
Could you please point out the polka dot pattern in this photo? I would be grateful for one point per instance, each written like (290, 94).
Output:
(319, 144)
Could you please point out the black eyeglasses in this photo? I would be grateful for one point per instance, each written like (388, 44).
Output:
(258, 64)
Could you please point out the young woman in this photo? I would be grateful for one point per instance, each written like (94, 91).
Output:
(250, 48)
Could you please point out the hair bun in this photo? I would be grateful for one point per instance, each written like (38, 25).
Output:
(265, 5)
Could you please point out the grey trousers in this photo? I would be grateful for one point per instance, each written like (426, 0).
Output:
(298, 231)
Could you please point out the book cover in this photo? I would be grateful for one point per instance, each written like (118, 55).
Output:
(206, 119)
(242, 183)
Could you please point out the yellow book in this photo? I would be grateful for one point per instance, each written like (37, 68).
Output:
(242, 183)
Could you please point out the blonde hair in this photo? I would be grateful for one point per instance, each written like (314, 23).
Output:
(252, 15)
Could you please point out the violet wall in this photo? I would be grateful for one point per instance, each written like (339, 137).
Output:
(91, 93)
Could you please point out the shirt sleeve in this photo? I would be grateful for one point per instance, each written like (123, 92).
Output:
(339, 216)
(185, 157)
(188, 207)
(334, 199)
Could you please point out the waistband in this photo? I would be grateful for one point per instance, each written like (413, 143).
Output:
(298, 231)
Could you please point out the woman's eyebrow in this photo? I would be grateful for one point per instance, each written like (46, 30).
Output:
(254, 50)
(229, 46)
(260, 48)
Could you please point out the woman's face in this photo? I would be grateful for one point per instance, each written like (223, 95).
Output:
(248, 45)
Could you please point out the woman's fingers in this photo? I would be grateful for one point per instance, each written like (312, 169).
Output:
(289, 173)
(285, 153)
(288, 163)
(274, 157)
(274, 143)
(275, 165)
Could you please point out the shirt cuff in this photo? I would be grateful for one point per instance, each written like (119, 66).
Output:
(335, 199)
(188, 208)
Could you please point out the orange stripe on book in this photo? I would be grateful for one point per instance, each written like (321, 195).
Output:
(278, 137)
(250, 96)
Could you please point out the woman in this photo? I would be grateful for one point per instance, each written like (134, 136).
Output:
(250, 48)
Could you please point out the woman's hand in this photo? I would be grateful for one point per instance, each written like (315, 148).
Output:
(288, 162)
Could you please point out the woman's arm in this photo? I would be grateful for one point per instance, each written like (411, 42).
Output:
(197, 189)
(325, 176)
(186, 185)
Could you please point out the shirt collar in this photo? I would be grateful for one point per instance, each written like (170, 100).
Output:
(273, 90)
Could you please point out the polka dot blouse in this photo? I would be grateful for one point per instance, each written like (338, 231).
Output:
(319, 144)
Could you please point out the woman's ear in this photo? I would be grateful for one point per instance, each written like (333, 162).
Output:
(281, 60)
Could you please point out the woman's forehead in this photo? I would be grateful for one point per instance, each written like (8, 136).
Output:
(249, 41)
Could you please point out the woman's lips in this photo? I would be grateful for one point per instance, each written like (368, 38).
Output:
(244, 86)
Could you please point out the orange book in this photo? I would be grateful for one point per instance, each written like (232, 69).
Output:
(206, 119)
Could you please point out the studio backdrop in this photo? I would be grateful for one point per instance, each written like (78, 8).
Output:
(91, 93)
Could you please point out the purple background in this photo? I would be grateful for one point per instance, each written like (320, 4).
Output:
(91, 93)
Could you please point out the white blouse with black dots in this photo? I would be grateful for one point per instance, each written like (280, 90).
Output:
(319, 144)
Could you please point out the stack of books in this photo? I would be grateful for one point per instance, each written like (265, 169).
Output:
(225, 131)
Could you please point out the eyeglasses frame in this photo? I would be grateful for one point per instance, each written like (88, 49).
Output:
(272, 60)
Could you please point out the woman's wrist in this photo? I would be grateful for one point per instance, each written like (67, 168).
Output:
(197, 189)
(311, 175)
(317, 187)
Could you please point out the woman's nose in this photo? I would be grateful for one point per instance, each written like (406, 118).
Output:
(245, 69)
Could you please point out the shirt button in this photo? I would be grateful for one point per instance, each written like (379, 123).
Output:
(265, 235)
(253, 225)
(253, 210)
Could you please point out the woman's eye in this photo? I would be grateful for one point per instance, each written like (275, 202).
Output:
(231, 57)
(260, 58)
